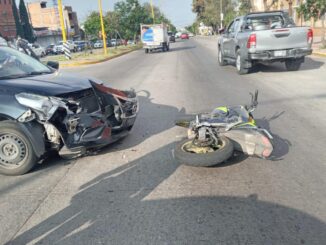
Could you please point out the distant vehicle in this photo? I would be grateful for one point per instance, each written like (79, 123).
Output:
(38, 49)
(184, 36)
(264, 37)
(191, 34)
(131, 42)
(178, 35)
(171, 36)
(81, 45)
(59, 47)
(98, 44)
(155, 37)
(116, 42)
(50, 49)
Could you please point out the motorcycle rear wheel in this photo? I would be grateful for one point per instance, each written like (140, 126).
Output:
(185, 153)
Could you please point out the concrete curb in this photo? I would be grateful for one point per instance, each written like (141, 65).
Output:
(319, 54)
(77, 64)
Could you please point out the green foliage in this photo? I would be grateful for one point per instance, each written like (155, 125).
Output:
(92, 24)
(245, 7)
(27, 27)
(312, 9)
(125, 19)
(19, 28)
(209, 12)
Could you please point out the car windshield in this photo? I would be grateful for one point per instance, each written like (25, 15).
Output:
(15, 64)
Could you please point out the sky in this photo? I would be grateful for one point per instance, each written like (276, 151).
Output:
(178, 11)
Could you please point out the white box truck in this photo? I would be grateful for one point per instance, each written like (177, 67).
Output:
(155, 37)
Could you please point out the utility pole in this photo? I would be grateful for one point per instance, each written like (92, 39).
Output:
(153, 15)
(66, 47)
(221, 9)
(102, 26)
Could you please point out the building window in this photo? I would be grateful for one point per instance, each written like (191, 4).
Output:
(43, 5)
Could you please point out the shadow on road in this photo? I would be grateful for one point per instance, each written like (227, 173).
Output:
(280, 144)
(126, 206)
(309, 64)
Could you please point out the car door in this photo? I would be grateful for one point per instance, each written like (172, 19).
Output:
(233, 37)
(226, 39)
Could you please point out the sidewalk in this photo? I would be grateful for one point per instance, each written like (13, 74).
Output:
(87, 58)
(317, 47)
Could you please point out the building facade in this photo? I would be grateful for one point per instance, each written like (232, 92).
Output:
(7, 20)
(287, 5)
(44, 15)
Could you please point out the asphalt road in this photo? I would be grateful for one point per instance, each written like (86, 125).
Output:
(134, 192)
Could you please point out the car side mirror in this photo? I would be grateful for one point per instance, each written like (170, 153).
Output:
(53, 64)
(222, 31)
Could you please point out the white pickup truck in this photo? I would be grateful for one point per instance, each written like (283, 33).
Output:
(264, 37)
(155, 37)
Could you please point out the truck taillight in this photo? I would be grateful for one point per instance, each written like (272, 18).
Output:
(310, 36)
(252, 41)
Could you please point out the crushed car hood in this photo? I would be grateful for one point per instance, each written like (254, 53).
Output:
(53, 84)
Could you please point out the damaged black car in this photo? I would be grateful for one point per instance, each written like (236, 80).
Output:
(43, 110)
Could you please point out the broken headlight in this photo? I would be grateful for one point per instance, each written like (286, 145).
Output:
(43, 106)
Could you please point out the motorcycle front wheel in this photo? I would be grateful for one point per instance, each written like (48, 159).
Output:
(186, 152)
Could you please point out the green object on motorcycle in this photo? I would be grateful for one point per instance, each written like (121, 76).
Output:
(223, 108)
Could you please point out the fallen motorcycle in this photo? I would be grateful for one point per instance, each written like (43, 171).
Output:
(213, 137)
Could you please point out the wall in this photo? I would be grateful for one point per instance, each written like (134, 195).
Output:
(7, 21)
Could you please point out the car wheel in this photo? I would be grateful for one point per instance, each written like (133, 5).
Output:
(293, 64)
(239, 64)
(16, 152)
(221, 60)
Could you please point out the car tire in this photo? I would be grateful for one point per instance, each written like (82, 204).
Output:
(293, 64)
(203, 160)
(239, 64)
(221, 60)
(17, 155)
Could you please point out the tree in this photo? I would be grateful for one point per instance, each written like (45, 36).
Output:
(27, 27)
(19, 28)
(245, 7)
(92, 24)
(315, 9)
(209, 12)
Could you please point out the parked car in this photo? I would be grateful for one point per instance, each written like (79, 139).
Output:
(98, 44)
(50, 49)
(59, 47)
(184, 36)
(81, 45)
(38, 49)
(264, 37)
(131, 42)
(43, 110)
(114, 42)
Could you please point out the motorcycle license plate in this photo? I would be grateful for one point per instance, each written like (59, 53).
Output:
(280, 53)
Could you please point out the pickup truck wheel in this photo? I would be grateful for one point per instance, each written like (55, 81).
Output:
(16, 151)
(293, 64)
(221, 60)
(239, 64)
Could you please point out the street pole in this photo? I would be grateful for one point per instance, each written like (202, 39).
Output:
(153, 15)
(221, 9)
(66, 47)
(102, 26)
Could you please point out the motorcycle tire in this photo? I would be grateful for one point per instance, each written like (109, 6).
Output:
(203, 159)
